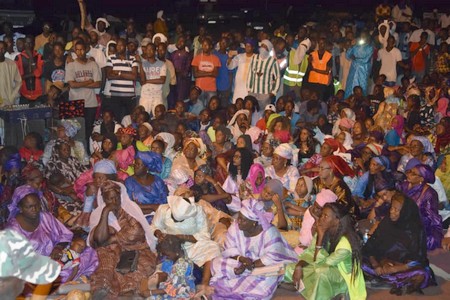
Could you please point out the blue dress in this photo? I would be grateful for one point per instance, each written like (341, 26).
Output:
(361, 56)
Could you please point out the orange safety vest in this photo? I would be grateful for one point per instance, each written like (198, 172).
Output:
(320, 64)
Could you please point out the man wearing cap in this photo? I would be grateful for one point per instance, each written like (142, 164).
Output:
(262, 123)
(101, 24)
(19, 263)
(263, 80)
(153, 76)
(242, 63)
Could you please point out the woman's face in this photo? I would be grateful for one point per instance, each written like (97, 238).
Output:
(64, 151)
(328, 219)
(259, 179)
(239, 104)
(126, 139)
(36, 179)
(413, 176)
(267, 149)
(440, 129)
(301, 189)
(386, 195)
(180, 129)
(366, 154)
(30, 142)
(374, 167)
(394, 211)
(216, 123)
(237, 159)
(245, 224)
(111, 197)
(30, 207)
(240, 143)
(316, 210)
(357, 128)
(220, 137)
(99, 179)
(278, 126)
(304, 134)
(156, 147)
(325, 150)
(107, 117)
(280, 105)
(368, 123)
(139, 167)
(278, 162)
(325, 171)
(248, 105)
(416, 148)
(199, 177)
(341, 138)
(61, 132)
(267, 194)
(241, 120)
(143, 132)
(107, 145)
(190, 151)
(394, 122)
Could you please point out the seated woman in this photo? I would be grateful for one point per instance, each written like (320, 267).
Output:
(395, 135)
(281, 167)
(237, 173)
(311, 167)
(419, 147)
(331, 264)
(158, 146)
(191, 157)
(11, 172)
(222, 152)
(307, 145)
(267, 148)
(169, 142)
(106, 126)
(128, 138)
(118, 225)
(206, 188)
(147, 190)
(109, 145)
(187, 220)
(416, 186)
(255, 182)
(299, 201)
(144, 132)
(33, 147)
(48, 236)
(397, 252)
(231, 272)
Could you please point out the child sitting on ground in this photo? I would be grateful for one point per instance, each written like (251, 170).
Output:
(71, 256)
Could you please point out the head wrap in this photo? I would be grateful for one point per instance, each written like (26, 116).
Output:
(427, 147)
(348, 141)
(182, 208)
(107, 47)
(148, 126)
(349, 113)
(125, 157)
(101, 20)
(309, 184)
(268, 44)
(325, 196)
(145, 42)
(19, 193)
(339, 166)
(383, 38)
(427, 173)
(375, 148)
(347, 123)
(198, 143)
(383, 161)
(412, 163)
(384, 184)
(159, 14)
(334, 144)
(13, 162)
(254, 211)
(127, 130)
(250, 41)
(205, 169)
(282, 135)
(272, 118)
(284, 150)
(180, 176)
(130, 207)
(275, 186)
(169, 139)
(71, 127)
(151, 160)
(239, 112)
(161, 37)
(105, 166)
(270, 107)
(399, 126)
(256, 169)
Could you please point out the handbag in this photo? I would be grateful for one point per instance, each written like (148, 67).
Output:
(127, 262)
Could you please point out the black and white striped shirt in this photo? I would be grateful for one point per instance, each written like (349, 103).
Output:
(122, 87)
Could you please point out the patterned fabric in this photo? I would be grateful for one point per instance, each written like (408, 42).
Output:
(180, 283)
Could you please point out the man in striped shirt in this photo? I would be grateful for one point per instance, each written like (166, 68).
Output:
(121, 71)
(263, 79)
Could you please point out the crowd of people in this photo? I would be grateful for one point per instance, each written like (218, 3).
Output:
(223, 167)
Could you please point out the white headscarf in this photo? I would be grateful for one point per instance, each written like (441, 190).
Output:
(161, 36)
(285, 150)
(127, 205)
(268, 44)
(383, 38)
(170, 141)
(181, 209)
(104, 21)
(159, 15)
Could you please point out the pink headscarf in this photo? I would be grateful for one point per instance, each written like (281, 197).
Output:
(400, 125)
(125, 157)
(347, 123)
(325, 196)
(255, 169)
(442, 106)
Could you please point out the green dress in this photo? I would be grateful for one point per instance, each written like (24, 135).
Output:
(330, 274)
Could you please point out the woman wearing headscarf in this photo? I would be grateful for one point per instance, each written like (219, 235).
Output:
(267, 148)
(158, 146)
(416, 186)
(67, 130)
(419, 147)
(186, 219)
(396, 253)
(395, 136)
(191, 157)
(48, 236)
(331, 265)
(169, 141)
(124, 160)
(283, 168)
(332, 170)
(364, 191)
(329, 146)
(299, 202)
(10, 179)
(442, 135)
(256, 180)
(147, 190)
(346, 113)
(128, 138)
(239, 124)
(118, 225)
(238, 171)
(231, 272)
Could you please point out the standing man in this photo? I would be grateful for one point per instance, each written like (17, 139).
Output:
(242, 63)
(223, 77)
(320, 63)
(205, 67)
(390, 57)
(182, 63)
(153, 76)
(10, 79)
(264, 80)
(171, 78)
(42, 39)
(83, 76)
(420, 52)
(30, 65)
(122, 72)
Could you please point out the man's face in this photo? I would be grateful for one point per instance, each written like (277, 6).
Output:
(121, 47)
(206, 47)
(101, 26)
(162, 50)
(9, 43)
(150, 51)
(181, 43)
(46, 29)
(2, 50)
(80, 51)
(29, 43)
(94, 37)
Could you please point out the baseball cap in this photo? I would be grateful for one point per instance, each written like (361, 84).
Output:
(270, 107)
(145, 42)
(18, 259)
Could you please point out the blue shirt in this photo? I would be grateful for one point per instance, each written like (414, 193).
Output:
(223, 78)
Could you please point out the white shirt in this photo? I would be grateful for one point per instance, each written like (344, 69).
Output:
(389, 63)
(415, 36)
(444, 20)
